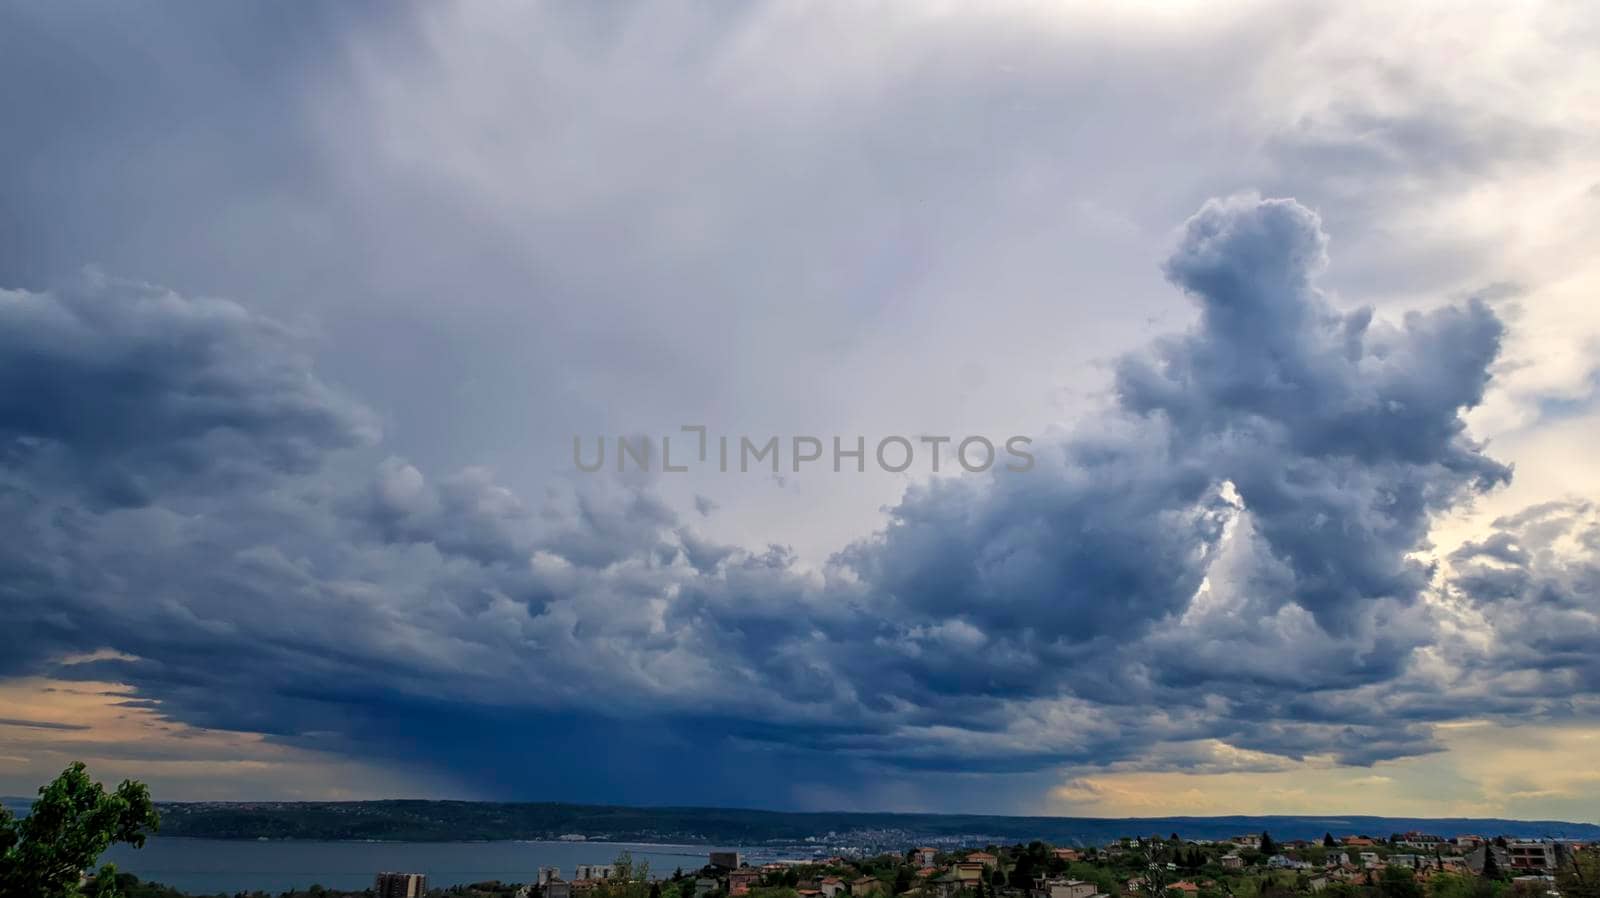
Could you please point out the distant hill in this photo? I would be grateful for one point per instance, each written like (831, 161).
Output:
(472, 821)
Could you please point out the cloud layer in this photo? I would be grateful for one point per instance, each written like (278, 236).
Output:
(1223, 569)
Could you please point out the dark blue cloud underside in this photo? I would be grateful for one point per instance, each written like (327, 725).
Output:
(1226, 552)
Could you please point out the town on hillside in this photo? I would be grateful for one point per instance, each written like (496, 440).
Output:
(1400, 865)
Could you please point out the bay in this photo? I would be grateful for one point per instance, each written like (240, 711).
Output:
(226, 866)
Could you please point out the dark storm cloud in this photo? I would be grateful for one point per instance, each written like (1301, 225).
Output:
(1222, 554)
(128, 391)
(1340, 436)
(1324, 440)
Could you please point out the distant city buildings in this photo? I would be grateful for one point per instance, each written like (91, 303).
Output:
(847, 870)
(399, 885)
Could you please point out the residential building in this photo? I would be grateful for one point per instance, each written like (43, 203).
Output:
(1284, 862)
(832, 886)
(924, 857)
(1538, 856)
(400, 885)
(727, 860)
(984, 858)
(866, 885)
(945, 885)
(1369, 860)
(558, 888)
(704, 885)
(743, 879)
(968, 872)
(1066, 888)
(1358, 842)
(593, 871)
(1414, 861)
(1232, 861)
(1070, 855)
(548, 874)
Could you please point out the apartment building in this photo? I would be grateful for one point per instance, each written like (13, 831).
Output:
(400, 885)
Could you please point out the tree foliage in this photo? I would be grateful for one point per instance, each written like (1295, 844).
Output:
(628, 879)
(1399, 882)
(1578, 875)
(74, 820)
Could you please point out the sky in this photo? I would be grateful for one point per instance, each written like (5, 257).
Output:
(303, 308)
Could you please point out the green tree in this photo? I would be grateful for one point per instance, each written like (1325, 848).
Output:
(45, 854)
(628, 879)
(1022, 873)
(1398, 882)
(1268, 847)
(1328, 842)
(1449, 885)
(1578, 874)
(1491, 867)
